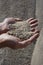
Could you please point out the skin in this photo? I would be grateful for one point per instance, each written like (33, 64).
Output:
(13, 42)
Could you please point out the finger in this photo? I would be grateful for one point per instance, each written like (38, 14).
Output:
(32, 29)
(18, 19)
(35, 36)
(36, 31)
(12, 20)
(33, 21)
(29, 19)
(34, 25)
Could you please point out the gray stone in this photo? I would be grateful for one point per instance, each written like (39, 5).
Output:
(37, 58)
(39, 12)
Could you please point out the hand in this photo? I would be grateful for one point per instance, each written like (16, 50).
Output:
(14, 42)
(4, 26)
(33, 23)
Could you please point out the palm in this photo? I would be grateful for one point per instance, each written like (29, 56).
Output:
(6, 23)
(14, 41)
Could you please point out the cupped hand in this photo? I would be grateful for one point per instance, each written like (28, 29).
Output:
(5, 25)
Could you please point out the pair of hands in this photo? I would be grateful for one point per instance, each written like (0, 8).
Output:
(13, 42)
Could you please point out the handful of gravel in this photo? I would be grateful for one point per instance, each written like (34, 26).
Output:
(20, 29)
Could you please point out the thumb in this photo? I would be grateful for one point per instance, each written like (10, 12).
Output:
(35, 36)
